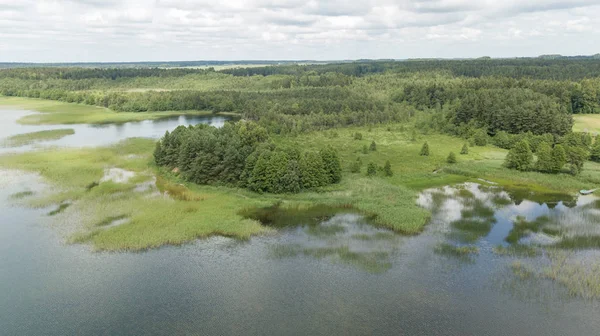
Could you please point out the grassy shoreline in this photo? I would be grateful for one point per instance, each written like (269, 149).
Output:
(155, 208)
(60, 113)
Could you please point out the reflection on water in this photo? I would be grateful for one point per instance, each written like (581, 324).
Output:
(473, 213)
(325, 272)
(98, 135)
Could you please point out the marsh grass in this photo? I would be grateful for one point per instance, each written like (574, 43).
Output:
(463, 253)
(517, 250)
(22, 194)
(61, 207)
(521, 227)
(34, 137)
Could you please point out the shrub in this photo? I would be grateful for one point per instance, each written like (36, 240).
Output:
(481, 138)
(373, 146)
(425, 149)
(520, 157)
(371, 169)
(451, 158)
(357, 136)
(387, 169)
(464, 150)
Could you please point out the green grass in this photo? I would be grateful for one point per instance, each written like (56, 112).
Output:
(55, 113)
(33, 137)
(586, 123)
(194, 211)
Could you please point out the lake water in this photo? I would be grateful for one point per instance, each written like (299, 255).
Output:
(338, 275)
(97, 135)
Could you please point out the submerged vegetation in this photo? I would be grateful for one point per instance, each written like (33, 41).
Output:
(31, 138)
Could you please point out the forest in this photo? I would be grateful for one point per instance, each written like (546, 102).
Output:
(504, 102)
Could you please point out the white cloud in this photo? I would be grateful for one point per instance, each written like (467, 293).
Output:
(128, 30)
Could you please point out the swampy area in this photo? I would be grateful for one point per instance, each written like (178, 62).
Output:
(99, 237)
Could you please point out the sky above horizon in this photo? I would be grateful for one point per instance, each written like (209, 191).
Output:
(170, 30)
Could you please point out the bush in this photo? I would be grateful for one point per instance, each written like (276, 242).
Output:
(387, 169)
(481, 138)
(520, 157)
(371, 169)
(365, 149)
(373, 146)
(451, 158)
(464, 150)
(425, 149)
(357, 136)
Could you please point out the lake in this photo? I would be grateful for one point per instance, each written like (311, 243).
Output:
(335, 274)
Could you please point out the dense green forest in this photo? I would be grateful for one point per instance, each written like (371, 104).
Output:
(504, 101)
(240, 154)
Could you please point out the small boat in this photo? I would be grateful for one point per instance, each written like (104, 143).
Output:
(587, 192)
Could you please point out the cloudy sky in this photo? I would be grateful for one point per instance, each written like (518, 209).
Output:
(152, 30)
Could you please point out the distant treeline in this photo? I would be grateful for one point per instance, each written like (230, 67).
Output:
(535, 68)
(515, 96)
(240, 154)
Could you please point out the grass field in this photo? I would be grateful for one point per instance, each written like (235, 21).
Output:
(55, 113)
(586, 123)
(33, 137)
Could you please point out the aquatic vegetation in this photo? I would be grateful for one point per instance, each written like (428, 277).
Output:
(522, 227)
(517, 250)
(453, 250)
(22, 194)
(62, 207)
(521, 271)
(33, 137)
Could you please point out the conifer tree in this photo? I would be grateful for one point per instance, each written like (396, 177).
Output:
(520, 157)
(371, 169)
(465, 149)
(387, 169)
(544, 161)
(425, 149)
(373, 146)
(451, 158)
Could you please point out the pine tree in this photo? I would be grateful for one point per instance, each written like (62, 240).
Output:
(520, 157)
(413, 136)
(365, 149)
(559, 158)
(371, 169)
(387, 169)
(451, 158)
(312, 171)
(425, 149)
(465, 149)
(544, 161)
(373, 146)
(332, 165)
